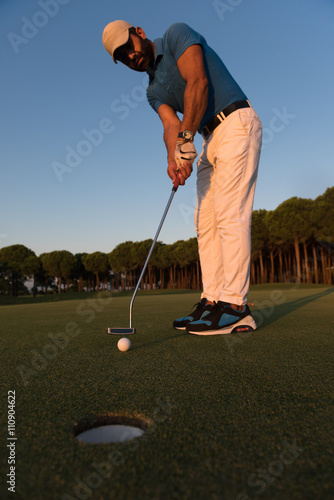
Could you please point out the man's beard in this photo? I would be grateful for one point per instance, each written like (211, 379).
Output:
(146, 52)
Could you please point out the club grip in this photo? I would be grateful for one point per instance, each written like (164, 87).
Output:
(176, 183)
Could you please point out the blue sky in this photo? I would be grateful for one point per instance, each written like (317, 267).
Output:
(61, 98)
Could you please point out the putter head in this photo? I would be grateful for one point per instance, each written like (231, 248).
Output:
(120, 331)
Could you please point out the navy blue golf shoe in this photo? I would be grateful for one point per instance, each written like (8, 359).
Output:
(201, 311)
(223, 319)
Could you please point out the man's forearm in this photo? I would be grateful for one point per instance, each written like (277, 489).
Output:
(170, 137)
(195, 104)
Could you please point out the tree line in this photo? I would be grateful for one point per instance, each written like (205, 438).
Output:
(293, 243)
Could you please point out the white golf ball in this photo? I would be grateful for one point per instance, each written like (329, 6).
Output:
(124, 344)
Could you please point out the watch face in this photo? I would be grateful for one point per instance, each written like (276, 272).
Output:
(187, 135)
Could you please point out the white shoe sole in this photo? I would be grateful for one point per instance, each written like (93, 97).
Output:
(245, 325)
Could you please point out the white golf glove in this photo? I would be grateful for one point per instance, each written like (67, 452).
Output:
(185, 152)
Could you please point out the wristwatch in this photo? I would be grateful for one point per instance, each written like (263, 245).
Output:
(187, 135)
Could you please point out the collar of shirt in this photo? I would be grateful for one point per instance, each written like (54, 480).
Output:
(159, 52)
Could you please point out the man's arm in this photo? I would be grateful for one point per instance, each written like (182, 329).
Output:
(171, 124)
(191, 67)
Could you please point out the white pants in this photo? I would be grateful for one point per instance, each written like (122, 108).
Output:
(226, 179)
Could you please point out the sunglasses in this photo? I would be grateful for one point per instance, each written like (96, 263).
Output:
(122, 53)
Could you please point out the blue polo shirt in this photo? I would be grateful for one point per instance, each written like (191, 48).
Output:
(166, 85)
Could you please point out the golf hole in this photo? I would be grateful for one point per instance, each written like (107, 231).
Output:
(110, 429)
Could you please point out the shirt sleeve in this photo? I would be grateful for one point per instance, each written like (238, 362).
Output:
(153, 101)
(179, 37)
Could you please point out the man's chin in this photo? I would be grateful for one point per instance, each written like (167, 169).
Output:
(142, 64)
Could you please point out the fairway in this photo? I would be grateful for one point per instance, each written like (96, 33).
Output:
(232, 417)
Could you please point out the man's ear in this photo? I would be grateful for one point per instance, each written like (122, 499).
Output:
(140, 32)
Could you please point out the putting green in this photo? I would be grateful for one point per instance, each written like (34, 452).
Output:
(229, 417)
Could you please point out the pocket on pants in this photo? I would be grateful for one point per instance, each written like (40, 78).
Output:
(249, 120)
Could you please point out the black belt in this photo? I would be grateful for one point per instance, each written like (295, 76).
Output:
(217, 120)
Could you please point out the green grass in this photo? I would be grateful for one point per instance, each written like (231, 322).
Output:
(224, 412)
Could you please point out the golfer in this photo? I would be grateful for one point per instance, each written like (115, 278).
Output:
(186, 76)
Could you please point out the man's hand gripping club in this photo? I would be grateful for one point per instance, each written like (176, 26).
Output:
(184, 157)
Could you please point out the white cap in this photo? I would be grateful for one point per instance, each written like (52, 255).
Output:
(115, 35)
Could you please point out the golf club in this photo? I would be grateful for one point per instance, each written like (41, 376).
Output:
(127, 331)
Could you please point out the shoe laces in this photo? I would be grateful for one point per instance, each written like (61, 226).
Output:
(217, 308)
(198, 305)
(202, 305)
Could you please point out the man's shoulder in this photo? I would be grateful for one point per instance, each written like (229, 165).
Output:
(180, 36)
(177, 28)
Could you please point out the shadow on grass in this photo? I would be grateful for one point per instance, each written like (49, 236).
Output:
(275, 308)
(184, 333)
(265, 316)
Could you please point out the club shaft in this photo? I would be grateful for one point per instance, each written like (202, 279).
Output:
(151, 250)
